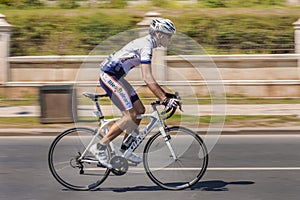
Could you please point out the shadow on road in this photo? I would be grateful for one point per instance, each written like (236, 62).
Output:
(213, 185)
(218, 185)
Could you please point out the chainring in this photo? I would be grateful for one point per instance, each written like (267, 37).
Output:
(119, 165)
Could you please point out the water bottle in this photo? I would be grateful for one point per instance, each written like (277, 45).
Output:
(128, 140)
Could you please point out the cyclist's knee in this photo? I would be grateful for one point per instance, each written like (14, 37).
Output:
(141, 110)
(131, 115)
(139, 107)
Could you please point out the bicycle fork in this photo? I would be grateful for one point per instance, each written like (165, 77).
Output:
(167, 140)
(155, 119)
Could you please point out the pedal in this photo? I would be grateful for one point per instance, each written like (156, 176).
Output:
(103, 166)
(132, 164)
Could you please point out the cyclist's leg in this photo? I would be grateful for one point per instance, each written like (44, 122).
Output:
(140, 109)
(126, 99)
(137, 106)
(126, 123)
(121, 98)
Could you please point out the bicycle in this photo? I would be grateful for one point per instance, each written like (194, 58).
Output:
(174, 158)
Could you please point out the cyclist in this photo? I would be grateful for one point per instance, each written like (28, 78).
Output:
(122, 94)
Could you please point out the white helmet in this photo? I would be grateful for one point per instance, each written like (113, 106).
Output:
(162, 25)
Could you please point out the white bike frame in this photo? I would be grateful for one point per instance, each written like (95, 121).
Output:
(155, 119)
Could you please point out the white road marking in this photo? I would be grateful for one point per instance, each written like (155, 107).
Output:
(215, 169)
(253, 168)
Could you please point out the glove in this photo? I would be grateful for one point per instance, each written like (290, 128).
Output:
(170, 102)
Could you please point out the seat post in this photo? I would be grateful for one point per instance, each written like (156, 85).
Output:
(99, 109)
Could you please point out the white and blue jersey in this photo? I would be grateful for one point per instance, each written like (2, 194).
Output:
(136, 52)
(117, 66)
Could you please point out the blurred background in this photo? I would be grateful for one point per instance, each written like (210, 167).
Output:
(73, 27)
(253, 43)
(235, 62)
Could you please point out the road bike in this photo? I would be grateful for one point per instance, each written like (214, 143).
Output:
(174, 158)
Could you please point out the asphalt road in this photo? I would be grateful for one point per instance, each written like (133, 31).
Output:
(240, 167)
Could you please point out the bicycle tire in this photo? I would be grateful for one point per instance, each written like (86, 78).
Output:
(63, 165)
(178, 174)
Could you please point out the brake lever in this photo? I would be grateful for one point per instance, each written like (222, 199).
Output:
(180, 107)
(179, 98)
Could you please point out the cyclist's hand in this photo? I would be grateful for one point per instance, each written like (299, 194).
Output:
(171, 102)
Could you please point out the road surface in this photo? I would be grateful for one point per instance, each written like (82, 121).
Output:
(240, 167)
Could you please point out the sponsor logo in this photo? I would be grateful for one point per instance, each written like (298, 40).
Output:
(142, 136)
(128, 58)
(120, 91)
(124, 98)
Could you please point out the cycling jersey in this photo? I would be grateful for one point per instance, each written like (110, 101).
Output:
(136, 52)
(117, 66)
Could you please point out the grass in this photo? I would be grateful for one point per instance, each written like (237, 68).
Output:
(19, 122)
(170, 4)
(262, 101)
(19, 102)
(53, 31)
(34, 101)
(236, 121)
(233, 118)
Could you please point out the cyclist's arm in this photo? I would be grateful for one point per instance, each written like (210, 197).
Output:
(151, 83)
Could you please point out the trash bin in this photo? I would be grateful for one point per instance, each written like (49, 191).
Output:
(58, 104)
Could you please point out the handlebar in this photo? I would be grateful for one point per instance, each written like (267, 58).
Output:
(169, 111)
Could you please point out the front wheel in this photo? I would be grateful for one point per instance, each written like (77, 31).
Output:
(178, 165)
(65, 165)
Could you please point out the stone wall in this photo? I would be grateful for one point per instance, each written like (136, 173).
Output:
(242, 75)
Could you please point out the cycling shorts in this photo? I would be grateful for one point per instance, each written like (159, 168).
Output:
(120, 91)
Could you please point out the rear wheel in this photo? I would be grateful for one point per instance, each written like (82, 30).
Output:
(64, 163)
